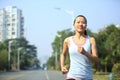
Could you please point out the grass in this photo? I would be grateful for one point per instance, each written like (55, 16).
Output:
(101, 77)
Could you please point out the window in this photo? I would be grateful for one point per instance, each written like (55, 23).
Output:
(13, 33)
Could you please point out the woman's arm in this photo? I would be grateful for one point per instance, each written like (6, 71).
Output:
(63, 56)
(93, 56)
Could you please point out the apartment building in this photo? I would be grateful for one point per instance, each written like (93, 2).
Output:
(11, 23)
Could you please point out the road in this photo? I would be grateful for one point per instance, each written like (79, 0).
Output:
(32, 75)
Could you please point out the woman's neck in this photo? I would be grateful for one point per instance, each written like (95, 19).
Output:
(79, 35)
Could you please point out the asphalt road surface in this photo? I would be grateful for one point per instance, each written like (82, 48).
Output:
(32, 75)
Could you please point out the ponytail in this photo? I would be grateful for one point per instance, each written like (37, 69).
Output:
(85, 32)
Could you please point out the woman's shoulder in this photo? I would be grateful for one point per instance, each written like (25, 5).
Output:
(92, 40)
(90, 37)
(67, 39)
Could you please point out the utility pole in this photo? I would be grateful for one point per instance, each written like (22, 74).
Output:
(18, 59)
(9, 54)
(56, 58)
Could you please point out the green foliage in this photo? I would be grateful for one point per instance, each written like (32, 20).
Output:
(51, 62)
(94, 71)
(116, 71)
(112, 44)
(3, 59)
(28, 53)
(108, 46)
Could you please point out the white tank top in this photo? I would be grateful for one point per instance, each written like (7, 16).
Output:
(80, 65)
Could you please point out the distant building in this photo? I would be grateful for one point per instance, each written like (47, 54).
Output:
(11, 23)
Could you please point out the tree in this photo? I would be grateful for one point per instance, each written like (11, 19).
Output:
(108, 46)
(28, 54)
(3, 59)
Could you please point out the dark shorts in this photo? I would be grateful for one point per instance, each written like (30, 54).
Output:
(78, 79)
(70, 79)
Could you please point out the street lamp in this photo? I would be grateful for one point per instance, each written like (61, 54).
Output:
(58, 35)
(9, 53)
(18, 59)
(70, 12)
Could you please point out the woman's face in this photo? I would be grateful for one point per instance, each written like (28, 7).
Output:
(80, 24)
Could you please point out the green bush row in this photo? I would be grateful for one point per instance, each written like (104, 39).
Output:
(116, 71)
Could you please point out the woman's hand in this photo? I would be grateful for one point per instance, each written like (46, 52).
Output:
(64, 70)
(81, 50)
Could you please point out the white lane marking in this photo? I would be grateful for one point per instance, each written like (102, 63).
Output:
(46, 75)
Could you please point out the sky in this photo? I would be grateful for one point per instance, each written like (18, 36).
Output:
(44, 18)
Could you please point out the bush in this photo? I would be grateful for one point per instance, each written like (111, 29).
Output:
(94, 71)
(101, 73)
(116, 71)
